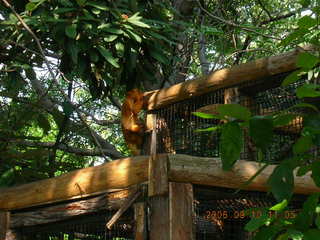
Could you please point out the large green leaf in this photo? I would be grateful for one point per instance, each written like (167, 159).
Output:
(308, 90)
(71, 31)
(305, 217)
(303, 144)
(261, 131)
(315, 167)
(307, 61)
(312, 234)
(257, 222)
(235, 111)
(108, 56)
(231, 144)
(281, 182)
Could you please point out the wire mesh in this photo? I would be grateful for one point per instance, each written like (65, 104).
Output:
(221, 213)
(176, 125)
(85, 227)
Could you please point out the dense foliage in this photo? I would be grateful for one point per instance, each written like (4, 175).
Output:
(65, 66)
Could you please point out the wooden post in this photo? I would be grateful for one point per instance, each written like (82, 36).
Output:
(4, 224)
(181, 211)
(141, 221)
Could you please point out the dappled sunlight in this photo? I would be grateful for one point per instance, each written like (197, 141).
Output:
(77, 184)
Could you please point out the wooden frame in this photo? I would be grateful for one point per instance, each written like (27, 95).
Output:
(247, 72)
(126, 172)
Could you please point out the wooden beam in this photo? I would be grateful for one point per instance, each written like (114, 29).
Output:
(227, 77)
(181, 211)
(63, 211)
(4, 224)
(208, 171)
(77, 184)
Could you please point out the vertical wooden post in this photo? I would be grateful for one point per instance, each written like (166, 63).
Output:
(158, 190)
(4, 224)
(181, 211)
(141, 221)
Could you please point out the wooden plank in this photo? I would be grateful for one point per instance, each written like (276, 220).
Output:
(159, 218)
(4, 224)
(158, 175)
(181, 211)
(140, 220)
(251, 71)
(77, 184)
(63, 211)
(123, 208)
(208, 171)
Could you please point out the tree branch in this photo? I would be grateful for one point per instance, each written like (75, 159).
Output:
(234, 24)
(60, 146)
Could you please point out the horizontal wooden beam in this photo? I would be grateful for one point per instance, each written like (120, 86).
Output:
(208, 171)
(77, 184)
(63, 211)
(247, 72)
(129, 171)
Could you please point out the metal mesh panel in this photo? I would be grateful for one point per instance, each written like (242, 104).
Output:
(221, 214)
(88, 227)
(176, 125)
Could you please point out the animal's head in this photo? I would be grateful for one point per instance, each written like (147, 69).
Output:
(134, 99)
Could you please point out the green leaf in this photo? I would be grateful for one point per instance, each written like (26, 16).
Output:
(134, 36)
(210, 129)
(294, 234)
(206, 115)
(315, 167)
(98, 4)
(303, 144)
(308, 90)
(257, 222)
(67, 108)
(108, 56)
(231, 144)
(110, 38)
(71, 31)
(159, 56)
(31, 6)
(307, 61)
(305, 105)
(73, 50)
(291, 78)
(312, 234)
(305, 217)
(303, 170)
(107, 28)
(283, 119)
(307, 22)
(267, 233)
(299, 33)
(261, 131)
(317, 221)
(281, 182)
(280, 206)
(135, 20)
(235, 111)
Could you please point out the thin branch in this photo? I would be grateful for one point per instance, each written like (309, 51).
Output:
(247, 50)
(236, 25)
(92, 133)
(264, 9)
(60, 146)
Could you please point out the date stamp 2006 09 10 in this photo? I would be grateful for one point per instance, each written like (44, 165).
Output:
(224, 214)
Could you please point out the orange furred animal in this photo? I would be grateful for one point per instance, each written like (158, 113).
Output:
(132, 127)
